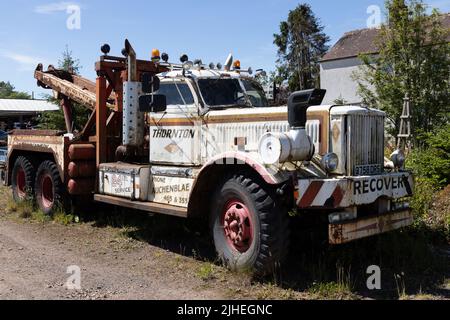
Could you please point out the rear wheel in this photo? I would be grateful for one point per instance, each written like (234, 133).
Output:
(23, 180)
(250, 229)
(49, 188)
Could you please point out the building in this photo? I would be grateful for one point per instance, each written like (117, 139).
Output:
(17, 113)
(339, 64)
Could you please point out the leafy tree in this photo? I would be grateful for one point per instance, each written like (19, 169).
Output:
(264, 79)
(80, 114)
(414, 60)
(432, 159)
(301, 43)
(7, 91)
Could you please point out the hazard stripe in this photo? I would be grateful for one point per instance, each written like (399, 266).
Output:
(338, 195)
(325, 193)
(310, 194)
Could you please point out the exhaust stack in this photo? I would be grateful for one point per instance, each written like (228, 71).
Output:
(133, 119)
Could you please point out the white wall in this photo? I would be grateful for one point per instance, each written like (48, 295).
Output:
(336, 78)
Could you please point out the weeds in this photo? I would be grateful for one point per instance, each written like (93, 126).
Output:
(342, 288)
(206, 272)
(401, 286)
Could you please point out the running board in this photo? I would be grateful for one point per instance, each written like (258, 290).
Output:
(151, 207)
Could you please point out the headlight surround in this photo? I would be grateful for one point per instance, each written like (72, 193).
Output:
(398, 158)
(330, 162)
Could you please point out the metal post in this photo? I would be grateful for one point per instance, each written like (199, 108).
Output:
(101, 115)
(66, 106)
(405, 134)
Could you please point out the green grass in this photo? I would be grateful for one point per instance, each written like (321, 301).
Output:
(206, 271)
(27, 210)
(342, 288)
(23, 209)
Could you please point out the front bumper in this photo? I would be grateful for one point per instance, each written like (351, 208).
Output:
(343, 232)
(341, 193)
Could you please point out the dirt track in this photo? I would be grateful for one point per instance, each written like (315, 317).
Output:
(121, 263)
(35, 260)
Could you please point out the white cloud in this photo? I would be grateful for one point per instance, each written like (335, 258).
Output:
(53, 7)
(25, 62)
(442, 5)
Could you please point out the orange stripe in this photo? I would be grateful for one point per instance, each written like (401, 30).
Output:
(310, 194)
(338, 195)
(247, 118)
(222, 119)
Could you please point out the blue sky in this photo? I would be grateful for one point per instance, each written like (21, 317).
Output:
(36, 31)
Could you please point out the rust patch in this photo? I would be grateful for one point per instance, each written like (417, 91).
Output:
(37, 133)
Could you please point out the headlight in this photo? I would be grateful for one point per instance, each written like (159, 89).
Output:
(330, 162)
(398, 158)
(188, 65)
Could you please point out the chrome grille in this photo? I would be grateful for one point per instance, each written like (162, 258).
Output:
(365, 144)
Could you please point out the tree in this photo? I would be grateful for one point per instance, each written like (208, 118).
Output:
(413, 60)
(7, 91)
(68, 63)
(80, 114)
(301, 43)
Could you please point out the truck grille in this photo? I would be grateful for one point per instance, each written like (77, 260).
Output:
(365, 144)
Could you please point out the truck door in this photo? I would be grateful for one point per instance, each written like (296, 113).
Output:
(175, 134)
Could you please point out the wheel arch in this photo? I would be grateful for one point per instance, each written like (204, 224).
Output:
(216, 169)
(35, 157)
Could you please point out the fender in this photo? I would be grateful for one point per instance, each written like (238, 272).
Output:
(271, 175)
(205, 181)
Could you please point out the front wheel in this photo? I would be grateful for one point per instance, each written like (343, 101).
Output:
(250, 229)
(49, 188)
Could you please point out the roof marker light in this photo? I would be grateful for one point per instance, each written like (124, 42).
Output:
(156, 57)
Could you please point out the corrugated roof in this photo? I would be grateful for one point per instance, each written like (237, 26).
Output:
(26, 106)
(361, 41)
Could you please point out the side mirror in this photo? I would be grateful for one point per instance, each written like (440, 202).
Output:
(150, 83)
(153, 103)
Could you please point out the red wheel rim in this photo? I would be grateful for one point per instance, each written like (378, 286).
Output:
(21, 183)
(237, 225)
(47, 191)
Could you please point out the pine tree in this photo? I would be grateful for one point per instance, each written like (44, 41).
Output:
(80, 114)
(68, 62)
(413, 60)
(301, 43)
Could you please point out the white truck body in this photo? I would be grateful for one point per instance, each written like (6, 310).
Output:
(186, 139)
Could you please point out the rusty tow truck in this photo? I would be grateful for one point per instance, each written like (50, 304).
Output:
(187, 140)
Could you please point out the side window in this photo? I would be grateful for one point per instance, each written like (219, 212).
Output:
(173, 96)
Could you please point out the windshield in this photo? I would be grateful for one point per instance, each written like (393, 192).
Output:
(255, 93)
(222, 92)
(172, 92)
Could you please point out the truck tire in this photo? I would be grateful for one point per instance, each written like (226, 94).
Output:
(49, 188)
(250, 229)
(23, 174)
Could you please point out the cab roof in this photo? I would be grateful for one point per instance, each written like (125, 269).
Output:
(205, 73)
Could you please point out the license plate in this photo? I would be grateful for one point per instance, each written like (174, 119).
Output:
(368, 170)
